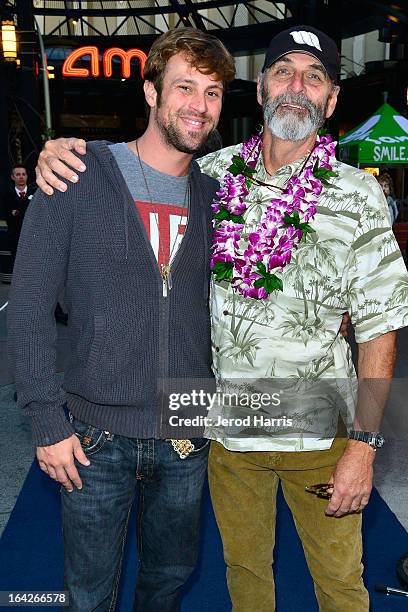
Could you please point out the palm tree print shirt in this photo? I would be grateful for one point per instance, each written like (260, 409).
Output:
(351, 263)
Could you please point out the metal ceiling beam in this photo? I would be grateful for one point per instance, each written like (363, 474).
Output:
(357, 17)
(155, 10)
(240, 39)
(196, 17)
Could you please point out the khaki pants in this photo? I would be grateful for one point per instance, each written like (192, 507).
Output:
(243, 490)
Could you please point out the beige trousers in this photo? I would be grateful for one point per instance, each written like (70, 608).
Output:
(243, 490)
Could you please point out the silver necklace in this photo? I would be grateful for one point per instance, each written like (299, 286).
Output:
(165, 271)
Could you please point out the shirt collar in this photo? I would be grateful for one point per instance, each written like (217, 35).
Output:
(284, 172)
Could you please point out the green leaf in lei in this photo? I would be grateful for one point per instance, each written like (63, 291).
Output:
(223, 270)
(270, 282)
(294, 219)
(239, 166)
(323, 173)
(224, 215)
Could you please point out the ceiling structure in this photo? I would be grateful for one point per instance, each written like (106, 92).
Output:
(148, 18)
(243, 25)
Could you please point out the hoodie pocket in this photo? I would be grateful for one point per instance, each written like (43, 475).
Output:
(97, 344)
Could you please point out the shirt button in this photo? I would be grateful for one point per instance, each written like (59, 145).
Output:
(225, 312)
(217, 349)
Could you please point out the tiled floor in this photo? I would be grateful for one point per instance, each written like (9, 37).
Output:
(15, 443)
(16, 449)
(17, 453)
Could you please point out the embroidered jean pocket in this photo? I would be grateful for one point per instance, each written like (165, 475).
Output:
(92, 438)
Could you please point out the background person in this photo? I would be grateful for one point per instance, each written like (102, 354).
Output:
(15, 205)
(387, 186)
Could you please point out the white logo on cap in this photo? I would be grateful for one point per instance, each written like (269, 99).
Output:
(306, 38)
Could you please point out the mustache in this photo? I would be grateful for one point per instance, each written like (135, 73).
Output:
(299, 99)
(197, 116)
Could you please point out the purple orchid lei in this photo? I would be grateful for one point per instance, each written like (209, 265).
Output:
(251, 269)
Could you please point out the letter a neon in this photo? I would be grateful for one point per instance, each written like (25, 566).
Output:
(68, 68)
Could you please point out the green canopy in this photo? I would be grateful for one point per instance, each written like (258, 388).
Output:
(381, 139)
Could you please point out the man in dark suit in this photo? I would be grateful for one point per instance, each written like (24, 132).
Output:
(15, 205)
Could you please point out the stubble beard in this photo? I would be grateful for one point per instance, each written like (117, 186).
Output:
(291, 125)
(173, 136)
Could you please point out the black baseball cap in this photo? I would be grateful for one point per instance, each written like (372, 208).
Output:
(305, 39)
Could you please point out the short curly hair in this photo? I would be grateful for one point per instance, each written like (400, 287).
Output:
(202, 50)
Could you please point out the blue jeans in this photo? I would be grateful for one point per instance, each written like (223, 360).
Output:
(95, 520)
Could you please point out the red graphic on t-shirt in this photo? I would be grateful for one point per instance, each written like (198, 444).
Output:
(165, 226)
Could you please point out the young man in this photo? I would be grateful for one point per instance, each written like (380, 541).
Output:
(15, 205)
(292, 335)
(135, 268)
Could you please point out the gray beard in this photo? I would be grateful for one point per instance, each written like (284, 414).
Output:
(290, 126)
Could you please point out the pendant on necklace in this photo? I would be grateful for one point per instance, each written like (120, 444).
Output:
(166, 277)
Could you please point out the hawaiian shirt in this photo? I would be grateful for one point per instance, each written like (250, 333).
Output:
(351, 263)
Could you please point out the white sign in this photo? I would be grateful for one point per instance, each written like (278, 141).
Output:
(390, 154)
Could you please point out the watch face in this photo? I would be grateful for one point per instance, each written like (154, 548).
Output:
(379, 440)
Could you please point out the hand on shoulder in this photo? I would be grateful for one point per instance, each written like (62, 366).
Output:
(56, 158)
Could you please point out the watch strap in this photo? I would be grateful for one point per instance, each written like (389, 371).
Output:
(362, 436)
(373, 438)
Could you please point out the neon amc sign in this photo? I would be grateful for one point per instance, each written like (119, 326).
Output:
(70, 70)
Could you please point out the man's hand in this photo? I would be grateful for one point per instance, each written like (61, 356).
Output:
(50, 161)
(352, 479)
(345, 322)
(57, 461)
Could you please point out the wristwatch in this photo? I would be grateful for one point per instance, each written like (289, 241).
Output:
(372, 438)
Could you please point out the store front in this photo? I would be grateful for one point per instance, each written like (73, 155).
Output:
(380, 145)
(96, 92)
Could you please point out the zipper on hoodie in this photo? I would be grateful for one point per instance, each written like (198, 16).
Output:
(164, 306)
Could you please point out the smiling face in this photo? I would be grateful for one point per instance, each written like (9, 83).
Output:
(188, 107)
(297, 96)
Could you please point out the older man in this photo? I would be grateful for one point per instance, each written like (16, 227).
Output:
(299, 239)
(313, 228)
